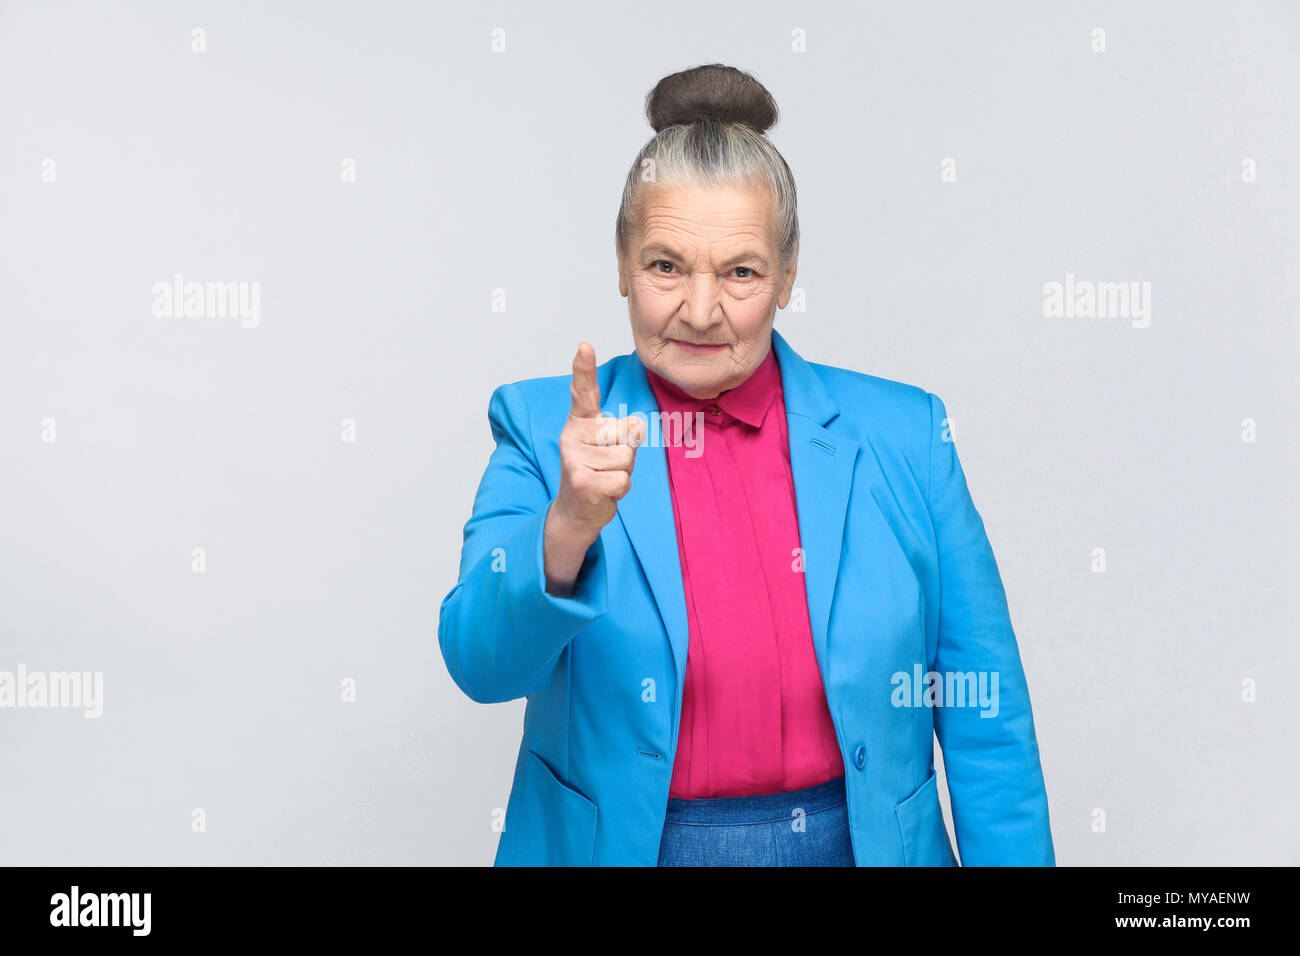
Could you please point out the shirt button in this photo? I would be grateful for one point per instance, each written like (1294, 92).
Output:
(860, 757)
(714, 409)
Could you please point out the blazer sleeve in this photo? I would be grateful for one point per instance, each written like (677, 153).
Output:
(995, 780)
(500, 632)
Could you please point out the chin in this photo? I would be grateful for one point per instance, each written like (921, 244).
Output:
(701, 374)
(701, 386)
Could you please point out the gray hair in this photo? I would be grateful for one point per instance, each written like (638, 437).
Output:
(709, 130)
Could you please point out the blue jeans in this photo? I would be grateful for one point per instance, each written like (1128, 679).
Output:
(807, 827)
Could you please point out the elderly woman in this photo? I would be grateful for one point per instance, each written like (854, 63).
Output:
(741, 655)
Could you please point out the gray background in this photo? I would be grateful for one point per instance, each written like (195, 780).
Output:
(481, 170)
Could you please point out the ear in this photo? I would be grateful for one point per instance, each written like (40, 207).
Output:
(622, 276)
(787, 287)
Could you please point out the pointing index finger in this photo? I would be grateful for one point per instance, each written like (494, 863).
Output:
(585, 389)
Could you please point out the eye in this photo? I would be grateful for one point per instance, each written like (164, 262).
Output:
(748, 272)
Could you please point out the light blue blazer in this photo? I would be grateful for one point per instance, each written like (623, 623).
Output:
(901, 580)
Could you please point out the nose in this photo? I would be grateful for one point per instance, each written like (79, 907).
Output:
(701, 309)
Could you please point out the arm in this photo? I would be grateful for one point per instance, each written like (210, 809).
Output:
(995, 780)
(500, 631)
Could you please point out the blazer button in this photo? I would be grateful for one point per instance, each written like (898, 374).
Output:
(860, 757)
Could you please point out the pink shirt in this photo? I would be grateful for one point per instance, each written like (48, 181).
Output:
(754, 718)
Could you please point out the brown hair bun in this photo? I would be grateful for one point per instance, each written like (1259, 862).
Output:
(715, 92)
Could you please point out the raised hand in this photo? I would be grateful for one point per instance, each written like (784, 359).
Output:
(596, 459)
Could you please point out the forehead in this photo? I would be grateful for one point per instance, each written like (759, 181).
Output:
(684, 217)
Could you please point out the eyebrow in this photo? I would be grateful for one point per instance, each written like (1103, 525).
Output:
(658, 249)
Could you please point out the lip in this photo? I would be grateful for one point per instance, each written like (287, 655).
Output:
(694, 349)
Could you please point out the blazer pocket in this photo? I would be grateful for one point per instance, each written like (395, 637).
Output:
(554, 824)
(920, 825)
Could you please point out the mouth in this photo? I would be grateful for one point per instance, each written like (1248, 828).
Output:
(694, 348)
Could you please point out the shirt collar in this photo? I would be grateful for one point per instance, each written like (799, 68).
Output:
(748, 401)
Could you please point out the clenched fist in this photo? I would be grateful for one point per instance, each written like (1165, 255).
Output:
(596, 459)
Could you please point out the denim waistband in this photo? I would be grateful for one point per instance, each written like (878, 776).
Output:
(762, 808)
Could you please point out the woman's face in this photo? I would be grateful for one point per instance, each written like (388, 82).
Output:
(703, 283)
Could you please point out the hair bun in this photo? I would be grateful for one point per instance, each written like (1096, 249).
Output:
(715, 92)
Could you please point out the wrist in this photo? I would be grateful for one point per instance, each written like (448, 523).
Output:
(564, 547)
(568, 532)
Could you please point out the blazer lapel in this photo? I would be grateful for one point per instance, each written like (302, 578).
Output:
(646, 512)
(821, 464)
